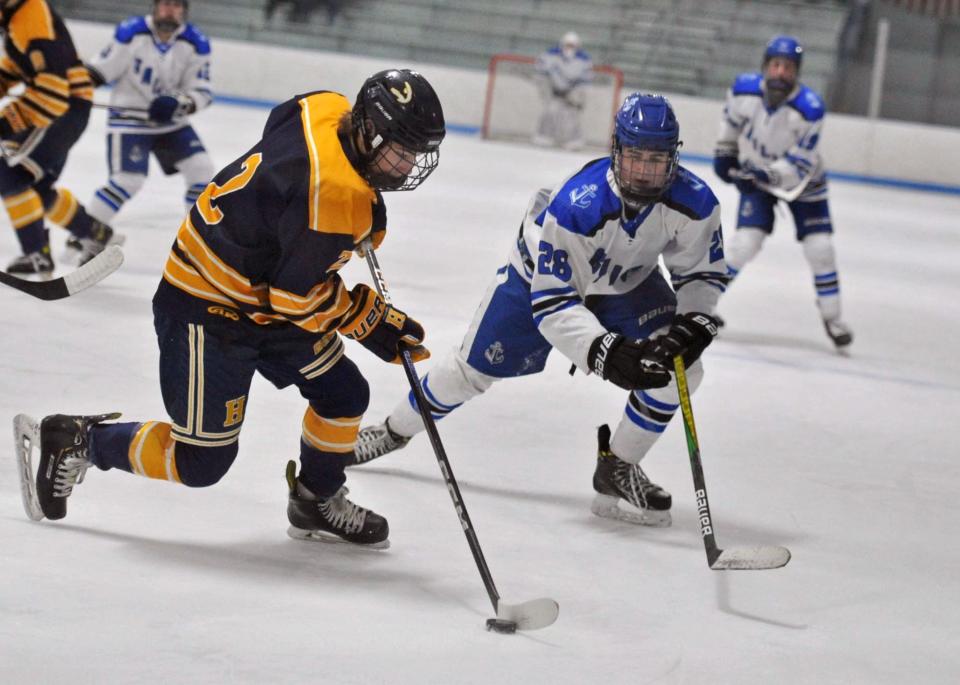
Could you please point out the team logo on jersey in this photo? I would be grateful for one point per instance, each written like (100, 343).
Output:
(582, 196)
(405, 96)
(746, 209)
(494, 353)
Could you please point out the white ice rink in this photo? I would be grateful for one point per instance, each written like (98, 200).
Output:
(852, 462)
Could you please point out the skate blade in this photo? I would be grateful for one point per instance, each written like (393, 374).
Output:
(608, 507)
(532, 615)
(330, 538)
(26, 434)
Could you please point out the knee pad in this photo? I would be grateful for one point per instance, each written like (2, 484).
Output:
(744, 246)
(818, 249)
(201, 466)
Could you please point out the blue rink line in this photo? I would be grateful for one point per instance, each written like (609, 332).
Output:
(881, 181)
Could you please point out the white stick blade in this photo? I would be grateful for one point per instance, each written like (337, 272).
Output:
(751, 558)
(26, 434)
(95, 270)
(532, 615)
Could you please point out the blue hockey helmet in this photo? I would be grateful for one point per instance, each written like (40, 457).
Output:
(645, 125)
(787, 47)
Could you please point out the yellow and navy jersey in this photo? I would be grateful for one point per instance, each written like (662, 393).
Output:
(40, 54)
(268, 235)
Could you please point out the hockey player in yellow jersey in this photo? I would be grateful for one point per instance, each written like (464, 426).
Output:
(37, 129)
(252, 285)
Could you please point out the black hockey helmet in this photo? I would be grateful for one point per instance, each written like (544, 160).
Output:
(400, 118)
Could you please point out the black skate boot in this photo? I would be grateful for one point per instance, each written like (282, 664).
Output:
(615, 479)
(838, 332)
(64, 441)
(332, 519)
(375, 441)
(38, 263)
(100, 236)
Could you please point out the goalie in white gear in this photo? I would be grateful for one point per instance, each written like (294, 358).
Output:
(563, 72)
(768, 147)
(583, 277)
(160, 67)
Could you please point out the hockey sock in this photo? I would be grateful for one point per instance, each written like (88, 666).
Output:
(26, 215)
(193, 192)
(142, 448)
(108, 200)
(326, 445)
(62, 207)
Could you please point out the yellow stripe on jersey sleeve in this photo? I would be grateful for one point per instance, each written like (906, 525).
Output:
(32, 21)
(183, 276)
(339, 199)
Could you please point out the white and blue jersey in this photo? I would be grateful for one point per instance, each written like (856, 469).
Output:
(579, 255)
(140, 66)
(564, 74)
(781, 139)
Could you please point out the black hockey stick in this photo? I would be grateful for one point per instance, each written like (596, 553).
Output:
(531, 615)
(87, 275)
(741, 558)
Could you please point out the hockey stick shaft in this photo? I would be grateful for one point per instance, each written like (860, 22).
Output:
(696, 466)
(438, 450)
(133, 110)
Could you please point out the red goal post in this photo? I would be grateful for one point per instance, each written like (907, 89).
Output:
(513, 103)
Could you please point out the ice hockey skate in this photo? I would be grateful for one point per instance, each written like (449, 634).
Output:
(63, 442)
(615, 480)
(375, 441)
(838, 332)
(81, 250)
(332, 519)
(37, 263)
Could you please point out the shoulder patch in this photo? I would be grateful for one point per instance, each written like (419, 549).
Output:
(196, 38)
(748, 84)
(585, 202)
(128, 28)
(690, 195)
(808, 104)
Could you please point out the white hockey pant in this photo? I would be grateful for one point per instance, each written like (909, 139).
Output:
(560, 122)
(818, 249)
(646, 416)
(450, 383)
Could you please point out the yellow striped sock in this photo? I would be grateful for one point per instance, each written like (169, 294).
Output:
(64, 208)
(152, 452)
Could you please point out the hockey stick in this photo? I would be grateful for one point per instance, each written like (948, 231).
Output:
(740, 558)
(779, 193)
(531, 615)
(87, 275)
(134, 110)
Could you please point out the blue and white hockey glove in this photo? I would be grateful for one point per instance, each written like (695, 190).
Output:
(164, 108)
(688, 336)
(382, 329)
(627, 363)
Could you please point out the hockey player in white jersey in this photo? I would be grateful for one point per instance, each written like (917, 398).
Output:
(583, 277)
(564, 72)
(160, 67)
(768, 147)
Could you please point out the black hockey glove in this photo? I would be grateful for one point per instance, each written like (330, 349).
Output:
(382, 329)
(688, 336)
(626, 363)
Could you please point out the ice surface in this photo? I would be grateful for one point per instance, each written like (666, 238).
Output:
(853, 463)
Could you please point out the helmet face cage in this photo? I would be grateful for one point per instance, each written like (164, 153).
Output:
(784, 47)
(645, 151)
(402, 124)
(169, 24)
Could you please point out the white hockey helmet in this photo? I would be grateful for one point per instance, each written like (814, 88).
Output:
(570, 39)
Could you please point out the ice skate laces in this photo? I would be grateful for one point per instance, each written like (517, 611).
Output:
(374, 442)
(70, 472)
(632, 483)
(342, 513)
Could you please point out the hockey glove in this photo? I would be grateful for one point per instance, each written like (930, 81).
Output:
(626, 363)
(382, 329)
(723, 165)
(688, 336)
(164, 108)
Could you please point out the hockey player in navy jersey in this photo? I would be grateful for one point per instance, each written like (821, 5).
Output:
(768, 147)
(252, 285)
(583, 277)
(48, 93)
(159, 65)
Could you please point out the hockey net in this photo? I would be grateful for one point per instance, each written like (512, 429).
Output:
(513, 102)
